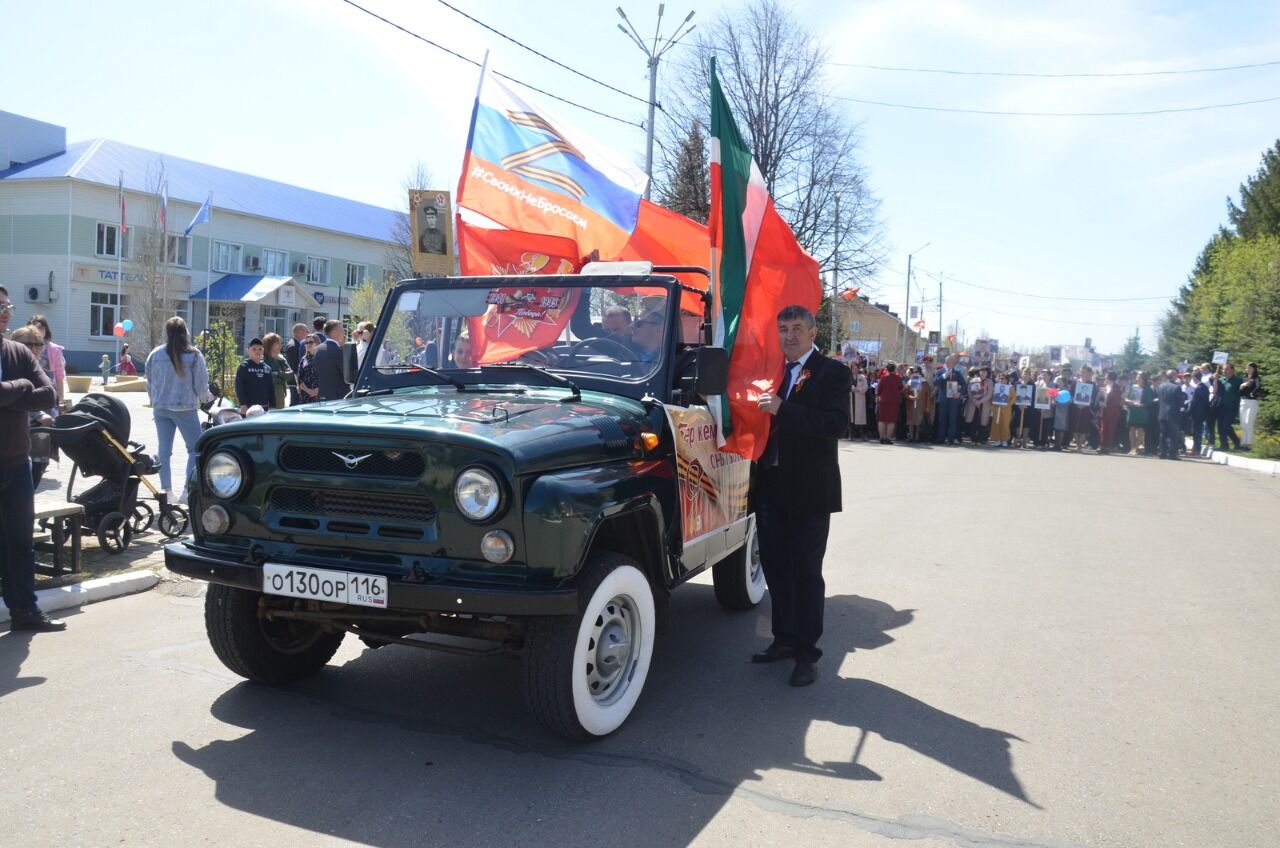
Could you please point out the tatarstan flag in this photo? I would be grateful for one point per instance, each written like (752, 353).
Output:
(758, 268)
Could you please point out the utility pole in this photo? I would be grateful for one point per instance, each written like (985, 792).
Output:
(906, 311)
(653, 53)
(940, 324)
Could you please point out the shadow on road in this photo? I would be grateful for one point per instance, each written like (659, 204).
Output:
(398, 744)
(14, 648)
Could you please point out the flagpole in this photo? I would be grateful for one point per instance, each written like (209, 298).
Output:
(119, 267)
(208, 268)
(164, 257)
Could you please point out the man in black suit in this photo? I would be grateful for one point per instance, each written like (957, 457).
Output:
(797, 488)
(329, 362)
(1171, 398)
(293, 353)
(1199, 410)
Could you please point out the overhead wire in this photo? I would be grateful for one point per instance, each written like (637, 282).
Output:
(471, 61)
(946, 278)
(1018, 114)
(989, 311)
(540, 54)
(1080, 75)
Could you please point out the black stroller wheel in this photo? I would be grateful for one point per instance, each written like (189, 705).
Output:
(114, 532)
(142, 517)
(173, 521)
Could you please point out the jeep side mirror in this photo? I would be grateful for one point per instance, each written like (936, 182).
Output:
(350, 363)
(712, 370)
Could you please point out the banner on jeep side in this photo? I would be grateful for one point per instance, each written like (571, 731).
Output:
(713, 484)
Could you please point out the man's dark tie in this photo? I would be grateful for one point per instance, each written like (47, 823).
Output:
(770, 457)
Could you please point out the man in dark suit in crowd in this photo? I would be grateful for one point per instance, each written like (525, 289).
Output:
(1199, 409)
(947, 406)
(293, 353)
(1171, 397)
(329, 362)
(797, 488)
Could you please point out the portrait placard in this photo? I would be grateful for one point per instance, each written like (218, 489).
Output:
(431, 218)
(1083, 395)
(1042, 396)
(1026, 394)
(1002, 392)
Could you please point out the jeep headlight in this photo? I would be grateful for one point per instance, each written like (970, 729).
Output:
(477, 494)
(223, 474)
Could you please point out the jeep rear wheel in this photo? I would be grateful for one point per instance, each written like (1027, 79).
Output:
(738, 578)
(263, 650)
(583, 674)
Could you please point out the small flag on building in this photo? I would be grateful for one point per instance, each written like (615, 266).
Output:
(162, 214)
(202, 215)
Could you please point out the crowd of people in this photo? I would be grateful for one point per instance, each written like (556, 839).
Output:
(1061, 408)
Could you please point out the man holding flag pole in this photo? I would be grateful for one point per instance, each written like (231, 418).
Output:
(787, 404)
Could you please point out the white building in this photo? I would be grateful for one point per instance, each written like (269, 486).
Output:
(272, 254)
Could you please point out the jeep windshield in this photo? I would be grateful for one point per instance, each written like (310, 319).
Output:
(614, 334)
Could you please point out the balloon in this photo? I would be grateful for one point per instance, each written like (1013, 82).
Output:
(127, 324)
(1064, 397)
(118, 329)
(1053, 392)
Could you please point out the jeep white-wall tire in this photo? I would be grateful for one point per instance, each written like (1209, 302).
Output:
(584, 673)
(739, 577)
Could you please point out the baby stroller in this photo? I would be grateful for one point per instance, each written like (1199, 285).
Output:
(214, 413)
(94, 434)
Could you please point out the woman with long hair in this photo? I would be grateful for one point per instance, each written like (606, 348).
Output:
(178, 382)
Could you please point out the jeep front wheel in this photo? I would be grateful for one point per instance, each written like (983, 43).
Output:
(261, 649)
(584, 673)
(738, 578)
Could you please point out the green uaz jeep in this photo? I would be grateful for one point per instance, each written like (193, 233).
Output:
(543, 502)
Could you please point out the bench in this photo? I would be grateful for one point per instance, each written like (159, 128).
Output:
(63, 522)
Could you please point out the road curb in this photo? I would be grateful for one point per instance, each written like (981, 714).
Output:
(1247, 463)
(91, 591)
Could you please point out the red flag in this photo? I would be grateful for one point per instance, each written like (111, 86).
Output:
(124, 225)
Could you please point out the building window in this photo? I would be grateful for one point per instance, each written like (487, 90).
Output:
(275, 263)
(182, 308)
(356, 275)
(275, 319)
(105, 313)
(179, 251)
(226, 257)
(317, 270)
(110, 243)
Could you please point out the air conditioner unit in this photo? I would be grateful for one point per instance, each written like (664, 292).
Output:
(253, 262)
(300, 268)
(38, 293)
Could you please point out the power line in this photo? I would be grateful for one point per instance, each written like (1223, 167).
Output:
(946, 278)
(1002, 113)
(952, 72)
(524, 46)
(1048, 320)
(471, 61)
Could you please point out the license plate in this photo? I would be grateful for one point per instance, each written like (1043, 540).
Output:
(318, 584)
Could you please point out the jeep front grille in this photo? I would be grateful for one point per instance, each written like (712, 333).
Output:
(376, 507)
(317, 459)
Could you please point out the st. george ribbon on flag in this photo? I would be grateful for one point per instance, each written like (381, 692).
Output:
(527, 170)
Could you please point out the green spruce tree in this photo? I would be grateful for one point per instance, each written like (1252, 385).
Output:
(689, 190)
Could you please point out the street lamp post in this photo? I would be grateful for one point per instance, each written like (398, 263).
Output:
(653, 53)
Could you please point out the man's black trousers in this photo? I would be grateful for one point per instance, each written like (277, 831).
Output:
(792, 545)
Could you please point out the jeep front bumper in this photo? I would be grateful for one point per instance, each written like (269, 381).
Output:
(181, 558)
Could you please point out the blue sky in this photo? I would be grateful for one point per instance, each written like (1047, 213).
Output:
(314, 93)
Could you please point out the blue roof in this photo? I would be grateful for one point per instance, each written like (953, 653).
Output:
(101, 160)
(250, 288)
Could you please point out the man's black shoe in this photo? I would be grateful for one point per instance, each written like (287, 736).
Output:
(773, 653)
(804, 674)
(37, 621)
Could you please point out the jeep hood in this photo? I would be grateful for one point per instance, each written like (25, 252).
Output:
(536, 429)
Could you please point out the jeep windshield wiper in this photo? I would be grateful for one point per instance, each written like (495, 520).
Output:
(442, 377)
(550, 375)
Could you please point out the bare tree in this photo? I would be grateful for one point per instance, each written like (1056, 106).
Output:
(399, 255)
(771, 70)
(152, 291)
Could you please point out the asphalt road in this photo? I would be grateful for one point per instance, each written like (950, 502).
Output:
(1022, 650)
